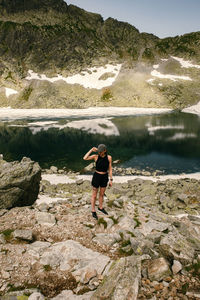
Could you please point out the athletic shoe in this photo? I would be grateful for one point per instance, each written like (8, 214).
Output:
(103, 211)
(94, 214)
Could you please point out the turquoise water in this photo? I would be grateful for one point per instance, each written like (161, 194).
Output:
(167, 142)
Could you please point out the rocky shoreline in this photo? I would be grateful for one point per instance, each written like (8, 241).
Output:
(148, 247)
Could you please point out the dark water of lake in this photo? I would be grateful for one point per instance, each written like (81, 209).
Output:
(167, 142)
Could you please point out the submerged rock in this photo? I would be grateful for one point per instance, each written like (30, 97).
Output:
(19, 183)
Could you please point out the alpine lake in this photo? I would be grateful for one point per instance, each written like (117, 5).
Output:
(168, 142)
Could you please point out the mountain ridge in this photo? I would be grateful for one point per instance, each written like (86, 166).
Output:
(65, 39)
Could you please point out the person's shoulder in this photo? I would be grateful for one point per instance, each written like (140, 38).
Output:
(109, 157)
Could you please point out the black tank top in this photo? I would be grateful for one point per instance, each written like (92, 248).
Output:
(102, 164)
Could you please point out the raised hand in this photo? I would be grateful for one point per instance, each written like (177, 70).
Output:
(94, 149)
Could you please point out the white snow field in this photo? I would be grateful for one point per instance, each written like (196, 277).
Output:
(10, 92)
(88, 79)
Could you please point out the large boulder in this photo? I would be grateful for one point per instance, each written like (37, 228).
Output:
(19, 183)
(174, 246)
(122, 281)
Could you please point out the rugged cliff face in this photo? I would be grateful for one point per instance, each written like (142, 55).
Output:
(51, 38)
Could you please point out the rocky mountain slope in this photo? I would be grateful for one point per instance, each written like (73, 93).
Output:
(147, 247)
(60, 40)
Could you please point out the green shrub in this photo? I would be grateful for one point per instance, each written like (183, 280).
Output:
(107, 95)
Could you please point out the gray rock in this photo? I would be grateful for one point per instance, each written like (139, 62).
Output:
(45, 218)
(89, 168)
(141, 246)
(122, 282)
(153, 225)
(69, 295)
(176, 267)
(127, 223)
(158, 269)
(43, 207)
(36, 296)
(54, 169)
(183, 198)
(2, 239)
(71, 255)
(104, 239)
(19, 183)
(117, 237)
(79, 181)
(38, 247)
(175, 246)
(26, 235)
(3, 212)
(193, 294)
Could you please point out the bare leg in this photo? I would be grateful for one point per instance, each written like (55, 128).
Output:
(93, 199)
(101, 195)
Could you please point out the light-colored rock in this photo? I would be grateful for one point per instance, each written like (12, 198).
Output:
(5, 275)
(26, 235)
(175, 246)
(153, 225)
(71, 255)
(104, 239)
(176, 267)
(3, 212)
(127, 223)
(2, 239)
(122, 282)
(158, 269)
(89, 168)
(88, 275)
(45, 218)
(54, 169)
(38, 247)
(193, 295)
(79, 181)
(36, 296)
(69, 295)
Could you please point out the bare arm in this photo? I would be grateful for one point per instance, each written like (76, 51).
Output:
(88, 155)
(110, 169)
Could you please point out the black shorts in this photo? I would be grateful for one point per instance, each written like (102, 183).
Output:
(99, 180)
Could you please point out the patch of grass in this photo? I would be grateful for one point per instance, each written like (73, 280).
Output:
(102, 221)
(138, 223)
(9, 76)
(7, 234)
(4, 250)
(115, 221)
(125, 243)
(89, 226)
(106, 95)
(23, 297)
(132, 235)
(123, 251)
(47, 268)
(122, 235)
(185, 288)
(26, 93)
(194, 269)
(13, 288)
(110, 203)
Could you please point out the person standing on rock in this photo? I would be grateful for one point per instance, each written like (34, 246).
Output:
(100, 177)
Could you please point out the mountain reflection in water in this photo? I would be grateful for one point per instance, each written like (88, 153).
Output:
(167, 142)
